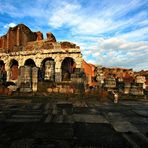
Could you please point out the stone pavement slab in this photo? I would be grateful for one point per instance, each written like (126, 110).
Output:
(89, 118)
(141, 112)
(124, 126)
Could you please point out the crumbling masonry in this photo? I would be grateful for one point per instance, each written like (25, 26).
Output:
(26, 58)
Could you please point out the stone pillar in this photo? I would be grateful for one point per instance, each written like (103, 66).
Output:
(25, 79)
(21, 75)
(34, 78)
(49, 70)
(7, 68)
(78, 62)
(27, 74)
(58, 77)
(127, 87)
(58, 73)
(52, 77)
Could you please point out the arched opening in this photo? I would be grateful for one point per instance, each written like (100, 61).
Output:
(13, 69)
(30, 62)
(68, 68)
(48, 69)
(2, 72)
(2, 65)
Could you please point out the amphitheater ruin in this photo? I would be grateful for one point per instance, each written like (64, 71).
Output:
(26, 58)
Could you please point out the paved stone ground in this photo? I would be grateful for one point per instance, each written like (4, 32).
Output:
(25, 124)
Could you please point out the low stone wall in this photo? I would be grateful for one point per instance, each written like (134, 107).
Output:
(60, 90)
(5, 91)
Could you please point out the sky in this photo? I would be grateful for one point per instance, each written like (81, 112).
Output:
(111, 33)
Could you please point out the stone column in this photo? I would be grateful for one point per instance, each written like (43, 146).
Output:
(7, 68)
(21, 77)
(25, 79)
(52, 77)
(58, 76)
(78, 62)
(47, 70)
(34, 78)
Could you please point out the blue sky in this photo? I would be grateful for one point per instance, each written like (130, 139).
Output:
(112, 33)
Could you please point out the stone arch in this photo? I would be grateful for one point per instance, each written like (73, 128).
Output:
(14, 69)
(47, 70)
(68, 67)
(3, 74)
(30, 62)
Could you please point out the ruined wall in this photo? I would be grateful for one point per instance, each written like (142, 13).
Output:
(39, 36)
(117, 72)
(89, 70)
(16, 38)
(21, 44)
(66, 45)
(1, 42)
(50, 37)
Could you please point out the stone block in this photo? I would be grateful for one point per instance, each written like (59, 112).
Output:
(62, 90)
(49, 90)
(25, 89)
(55, 90)
(89, 118)
(70, 90)
(124, 126)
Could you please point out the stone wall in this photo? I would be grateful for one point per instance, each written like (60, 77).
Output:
(20, 44)
(16, 38)
(89, 71)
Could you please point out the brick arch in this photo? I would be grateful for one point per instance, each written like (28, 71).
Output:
(13, 65)
(47, 69)
(2, 71)
(30, 62)
(13, 61)
(77, 60)
(45, 59)
(68, 67)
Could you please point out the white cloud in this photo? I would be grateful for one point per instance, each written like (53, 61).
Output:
(91, 61)
(103, 29)
(108, 19)
(64, 14)
(80, 19)
(9, 25)
(138, 34)
(120, 53)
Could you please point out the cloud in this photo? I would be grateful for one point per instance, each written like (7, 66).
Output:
(120, 53)
(139, 34)
(9, 25)
(65, 14)
(110, 18)
(113, 32)
(96, 17)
